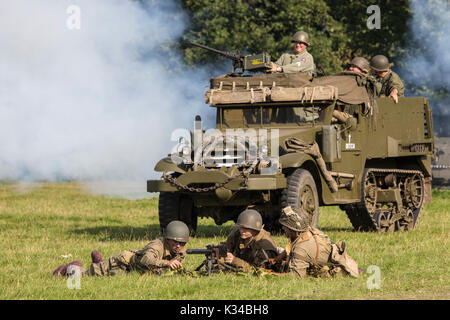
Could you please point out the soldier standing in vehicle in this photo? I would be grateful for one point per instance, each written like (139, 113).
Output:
(248, 244)
(300, 60)
(310, 251)
(359, 65)
(161, 254)
(391, 84)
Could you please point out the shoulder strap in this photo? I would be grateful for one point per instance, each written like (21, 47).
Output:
(317, 247)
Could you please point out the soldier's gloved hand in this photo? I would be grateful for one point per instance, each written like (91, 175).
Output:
(174, 264)
(229, 258)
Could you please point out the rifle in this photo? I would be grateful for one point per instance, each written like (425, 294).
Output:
(212, 254)
(252, 62)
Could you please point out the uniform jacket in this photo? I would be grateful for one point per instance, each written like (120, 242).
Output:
(292, 62)
(313, 250)
(251, 255)
(152, 256)
(390, 82)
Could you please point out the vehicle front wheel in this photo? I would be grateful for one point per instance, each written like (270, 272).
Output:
(301, 192)
(176, 206)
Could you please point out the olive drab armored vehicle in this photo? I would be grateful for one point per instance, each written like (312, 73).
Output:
(291, 139)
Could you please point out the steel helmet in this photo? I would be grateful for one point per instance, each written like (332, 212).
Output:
(294, 220)
(250, 219)
(361, 63)
(301, 36)
(177, 230)
(379, 63)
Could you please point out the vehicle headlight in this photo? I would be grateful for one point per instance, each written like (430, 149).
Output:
(186, 151)
(264, 149)
(183, 150)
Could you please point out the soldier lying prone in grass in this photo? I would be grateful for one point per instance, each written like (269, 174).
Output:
(161, 254)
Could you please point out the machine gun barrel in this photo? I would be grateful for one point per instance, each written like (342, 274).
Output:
(199, 251)
(252, 62)
(229, 55)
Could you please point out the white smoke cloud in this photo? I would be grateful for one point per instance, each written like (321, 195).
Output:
(430, 28)
(426, 70)
(430, 25)
(95, 103)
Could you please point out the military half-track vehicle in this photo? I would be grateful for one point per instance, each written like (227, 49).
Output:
(290, 139)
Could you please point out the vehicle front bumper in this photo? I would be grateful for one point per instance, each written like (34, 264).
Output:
(207, 178)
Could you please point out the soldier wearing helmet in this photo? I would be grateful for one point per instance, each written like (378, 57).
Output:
(391, 84)
(163, 253)
(310, 251)
(248, 244)
(359, 65)
(299, 60)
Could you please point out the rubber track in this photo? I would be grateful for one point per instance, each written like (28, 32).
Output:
(360, 218)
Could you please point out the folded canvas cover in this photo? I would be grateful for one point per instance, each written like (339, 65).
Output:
(304, 94)
(217, 96)
(290, 80)
(345, 88)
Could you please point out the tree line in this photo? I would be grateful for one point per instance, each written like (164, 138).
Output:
(338, 30)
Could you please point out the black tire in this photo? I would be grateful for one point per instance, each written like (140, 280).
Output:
(301, 192)
(175, 206)
(358, 216)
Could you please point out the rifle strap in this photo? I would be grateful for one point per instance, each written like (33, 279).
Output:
(288, 250)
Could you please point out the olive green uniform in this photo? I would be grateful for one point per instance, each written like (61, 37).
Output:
(246, 257)
(313, 253)
(390, 82)
(293, 62)
(152, 258)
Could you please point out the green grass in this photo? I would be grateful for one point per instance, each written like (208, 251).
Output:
(39, 225)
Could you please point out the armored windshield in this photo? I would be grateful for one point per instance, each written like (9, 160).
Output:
(260, 116)
(295, 115)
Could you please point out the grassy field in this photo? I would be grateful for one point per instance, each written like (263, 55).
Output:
(40, 225)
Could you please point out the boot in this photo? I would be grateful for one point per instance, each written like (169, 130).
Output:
(96, 257)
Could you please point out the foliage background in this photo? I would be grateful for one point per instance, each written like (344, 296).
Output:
(338, 32)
